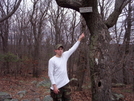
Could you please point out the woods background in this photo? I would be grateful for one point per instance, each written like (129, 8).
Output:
(29, 31)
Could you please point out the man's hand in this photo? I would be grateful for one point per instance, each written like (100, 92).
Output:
(81, 37)
(56, 90)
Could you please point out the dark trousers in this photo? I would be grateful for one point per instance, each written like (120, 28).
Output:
(63, 95)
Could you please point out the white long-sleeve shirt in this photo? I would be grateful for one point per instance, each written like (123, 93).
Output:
(57, 67)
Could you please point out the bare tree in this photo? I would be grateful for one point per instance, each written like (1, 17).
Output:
(37, 20)
(58, 20)
(72, 34)
(4, 31)
(11, 10)
(105, 8)
(126, 43)
(99, 43)
(20, 40)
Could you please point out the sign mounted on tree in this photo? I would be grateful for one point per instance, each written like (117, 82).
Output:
(85, 9)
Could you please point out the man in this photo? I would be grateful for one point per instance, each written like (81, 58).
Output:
(57, 72)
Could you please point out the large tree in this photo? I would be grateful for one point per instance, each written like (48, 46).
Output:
(99, 56)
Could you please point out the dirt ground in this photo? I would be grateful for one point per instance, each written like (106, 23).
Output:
(13, 85)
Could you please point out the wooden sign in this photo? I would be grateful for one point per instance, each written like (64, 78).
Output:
(85, 9)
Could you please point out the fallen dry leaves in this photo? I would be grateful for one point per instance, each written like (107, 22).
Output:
(13, 85)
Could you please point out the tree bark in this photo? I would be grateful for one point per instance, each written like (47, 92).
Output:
(133, 83)
(99, 58)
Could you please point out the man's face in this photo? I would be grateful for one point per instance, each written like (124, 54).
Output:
(59, 51)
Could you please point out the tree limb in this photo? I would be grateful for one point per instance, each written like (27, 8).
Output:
(73, 4)
(11, 13)
(119, 5)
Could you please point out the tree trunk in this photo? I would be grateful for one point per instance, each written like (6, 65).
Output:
(126, 44)
(82, 63)
(36, 59)
(133, 83)
(4, 35)
(99, 58)
(4, 28)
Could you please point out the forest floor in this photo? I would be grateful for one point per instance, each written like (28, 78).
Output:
(13, 85)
